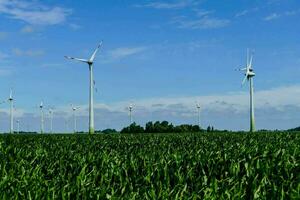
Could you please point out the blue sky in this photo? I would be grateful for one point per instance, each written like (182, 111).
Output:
(162, 56)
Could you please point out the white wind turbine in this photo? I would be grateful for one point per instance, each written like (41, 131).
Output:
(90, 62)
(130, 108)
(74, 117)
(11, 101)
(42, 117)
(198, 112)
(51, 119)
(18, 126)
(249, 74)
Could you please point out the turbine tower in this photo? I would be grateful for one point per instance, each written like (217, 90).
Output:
(249, 74)
(42, 117)
(51, 119)
(18, 126)
(130, 108)
(198, 112)
(90, 62)
(11, 100)
(74, 117)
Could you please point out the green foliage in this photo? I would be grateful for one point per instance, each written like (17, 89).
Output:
(133, 128)
(295, 129)
(150, 166)
(107, 131)
(161, 127)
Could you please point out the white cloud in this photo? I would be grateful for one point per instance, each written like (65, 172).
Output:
(202, 13)
(246, 12)
(27, 29)
(202, 23)
(75, 26)
(283, 14)
(272, 17)
(31, 53)
(239, 100)
(123, 52)
(170, 5)
(226, 111)
(33, 12)
(202, 20)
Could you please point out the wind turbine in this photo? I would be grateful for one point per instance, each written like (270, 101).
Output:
(249, 74)
(74, 117)
(11, 100)
(198, 112)
(51, 119)
(130, 108)
(42, 117)
(18, 126)
(90, 62)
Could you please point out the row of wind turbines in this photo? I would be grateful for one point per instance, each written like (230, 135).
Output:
(42, 115)
(248, 72)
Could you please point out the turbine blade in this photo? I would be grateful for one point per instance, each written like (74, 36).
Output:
(95, 52)
(244, 80)
(10, 95)
(247, 56)
(241, 69)
(250, 62)
(77, 59)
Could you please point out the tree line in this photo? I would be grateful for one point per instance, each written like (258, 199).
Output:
(164, 127)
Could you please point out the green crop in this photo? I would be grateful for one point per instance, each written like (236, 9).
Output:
(151, 166)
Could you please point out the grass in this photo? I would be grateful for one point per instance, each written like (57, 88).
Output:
(151, 166)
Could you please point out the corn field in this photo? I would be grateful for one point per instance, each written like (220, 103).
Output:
(151, 166)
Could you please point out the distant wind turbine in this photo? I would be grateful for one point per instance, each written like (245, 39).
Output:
(198, 112)
(42, 117)
(51, 119)
(11, 101)
(130, 108)
(74, 117)
(90, 62)
(249, 74)
(18, 126)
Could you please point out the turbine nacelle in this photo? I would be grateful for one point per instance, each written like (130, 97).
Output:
(10, 96)
(249, 72)
(74, 108)
(130, 107)
(41, 105)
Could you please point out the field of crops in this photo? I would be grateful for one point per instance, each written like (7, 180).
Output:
(151, 166)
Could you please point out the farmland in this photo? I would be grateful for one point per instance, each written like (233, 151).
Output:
(151, 166)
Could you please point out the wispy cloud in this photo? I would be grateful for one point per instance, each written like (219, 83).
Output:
(169, 5)
(202, 18)
(202, 23)
(27, 29)
(274, 16)
(75, 26)
(31, 53)
(33, 12)
(273, 110)
(246, 12)
(122, 52)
